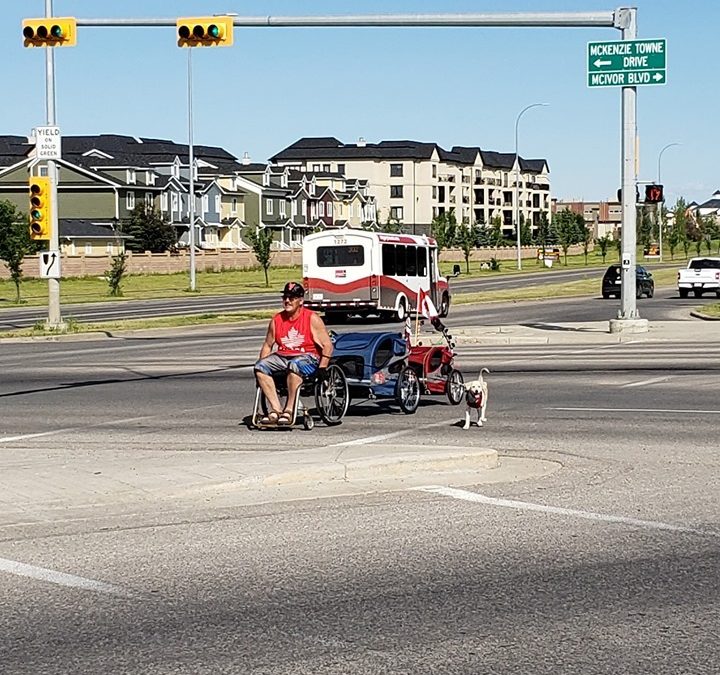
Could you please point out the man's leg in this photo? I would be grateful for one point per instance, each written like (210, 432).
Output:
(294, 382)
(267, 384)
(263, 374)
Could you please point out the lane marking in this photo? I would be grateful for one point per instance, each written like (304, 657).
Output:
(62, 579)
(678, 411)
(55, 432)
(557, 510)
(654, 380)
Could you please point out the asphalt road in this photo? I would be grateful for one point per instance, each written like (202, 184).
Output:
(11, 318)
(608, 563)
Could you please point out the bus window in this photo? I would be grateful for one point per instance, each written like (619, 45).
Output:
(422, 262)
(340, 256)
(400, 262)
(388, 260)
(411, 259)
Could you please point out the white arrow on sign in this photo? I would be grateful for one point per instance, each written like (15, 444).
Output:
(49, 265)
(657, 77)
(598, 63)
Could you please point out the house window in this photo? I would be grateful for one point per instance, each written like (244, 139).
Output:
(316, 167)
(434, 191)
(304, 207)
(205, 204)
(283, 211)
(321, 209)
(108, 248)
(217, 204)
(434, 170)
(149, 178)
(131, 178)
(130, 201)
(396, 212)
(329, 209)
(396, 191)
(396, 170)
(163, 201)
(233, 206)
(149, 199)
(176, 171)
(88, 249)
(174, 201)
(266, 179)
(293, 208)
(341, 168)
(268, 206)
(326, 167)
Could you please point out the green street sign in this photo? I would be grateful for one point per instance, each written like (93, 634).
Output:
(626, 63)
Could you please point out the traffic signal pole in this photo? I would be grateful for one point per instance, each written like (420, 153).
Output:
(628, 319)
(191, 162)
(54, 318)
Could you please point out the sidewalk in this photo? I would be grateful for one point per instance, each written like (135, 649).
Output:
(591, 332)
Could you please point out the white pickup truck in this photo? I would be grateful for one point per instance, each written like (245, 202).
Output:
(700, 275)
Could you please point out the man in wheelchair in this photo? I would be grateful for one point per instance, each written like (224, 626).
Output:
(296, 344)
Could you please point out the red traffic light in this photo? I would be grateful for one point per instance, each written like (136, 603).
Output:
(654, 194)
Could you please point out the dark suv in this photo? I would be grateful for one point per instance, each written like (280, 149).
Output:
(644, 283)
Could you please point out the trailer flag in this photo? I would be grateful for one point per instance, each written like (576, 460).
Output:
(426, 306)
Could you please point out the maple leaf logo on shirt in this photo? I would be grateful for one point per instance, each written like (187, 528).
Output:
(293, 339)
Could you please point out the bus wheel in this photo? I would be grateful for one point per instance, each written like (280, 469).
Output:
(401, 313)
(444, 309)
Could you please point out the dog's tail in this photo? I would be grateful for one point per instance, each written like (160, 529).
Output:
(482, 370)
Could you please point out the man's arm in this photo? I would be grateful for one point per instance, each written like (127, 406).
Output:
(322, 339)
(269, 343)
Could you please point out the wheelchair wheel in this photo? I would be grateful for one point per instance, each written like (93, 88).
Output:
(455, 387)
(332, 396)
(407, 391)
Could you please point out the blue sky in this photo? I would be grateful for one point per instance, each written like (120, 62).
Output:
(457, 86)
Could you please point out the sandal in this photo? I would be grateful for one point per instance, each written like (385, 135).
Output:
(271, 418)
(285, 419)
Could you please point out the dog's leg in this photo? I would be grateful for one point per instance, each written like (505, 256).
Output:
(482, 411)
(467, 419)
(480, 417)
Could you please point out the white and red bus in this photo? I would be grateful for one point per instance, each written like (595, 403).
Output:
(350, 271)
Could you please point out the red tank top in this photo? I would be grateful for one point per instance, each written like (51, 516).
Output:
(294, 337)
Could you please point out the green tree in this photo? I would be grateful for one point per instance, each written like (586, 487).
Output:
(261, 242)
(496, 233)
(149, 230)
(525, 231)
(444, 229)
(604, 242)
(644, 227)
(15, 242)
(566, 226)
(542, 236)
(116, 273)
(673, 239)
(466, 238)
(392, 226)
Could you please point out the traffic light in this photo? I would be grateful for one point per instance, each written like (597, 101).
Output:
(50, 32)
(205, 31)
(40, 223)
(654, 194)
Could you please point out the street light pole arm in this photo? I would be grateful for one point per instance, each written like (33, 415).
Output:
(669, 145)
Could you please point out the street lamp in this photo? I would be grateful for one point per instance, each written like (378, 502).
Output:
(517, 180)
(659, 182)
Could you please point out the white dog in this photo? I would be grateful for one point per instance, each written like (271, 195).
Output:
(476, 397)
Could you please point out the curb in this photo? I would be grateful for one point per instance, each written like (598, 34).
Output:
(704, 317)
(397, 468)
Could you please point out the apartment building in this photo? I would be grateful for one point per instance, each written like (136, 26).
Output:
(603, 217)
(414, 182)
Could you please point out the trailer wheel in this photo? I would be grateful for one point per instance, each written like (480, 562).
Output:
(401, 312)
(444, 308)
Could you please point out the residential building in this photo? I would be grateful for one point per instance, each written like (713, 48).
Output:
(413, 182)
(603, 217)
